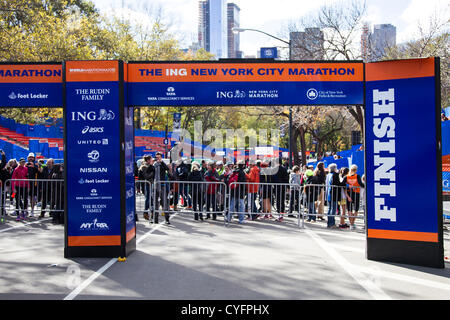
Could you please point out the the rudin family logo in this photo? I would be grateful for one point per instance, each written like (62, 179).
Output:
(312, 94)
(88, 129)
(103, 114)
(94, 156)
(12, 96)
(230, 94)
(94, 225)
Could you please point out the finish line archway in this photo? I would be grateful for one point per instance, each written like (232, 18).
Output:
(403, 213)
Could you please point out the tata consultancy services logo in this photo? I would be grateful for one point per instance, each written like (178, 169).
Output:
(12, 96)
(312, 94)
(93, 156)
(171, 91)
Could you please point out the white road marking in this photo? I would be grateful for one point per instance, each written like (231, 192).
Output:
(24, 225)
(110, 263)
(376, 292)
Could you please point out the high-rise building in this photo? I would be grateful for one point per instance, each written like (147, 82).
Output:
(365, 50)
(233, 39)
(307, 45)
(212, 27)
(383, 36)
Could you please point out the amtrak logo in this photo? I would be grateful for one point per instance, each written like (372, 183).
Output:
(12, 96)
(312, 94)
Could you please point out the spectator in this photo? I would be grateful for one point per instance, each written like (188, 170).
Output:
(294, 179)
(355, 182)
(146, 172)
(57, 194)
(20, 189)
(44, 186)
(321, 176)
(311, 191)
(196, 190)
(162, 175)
(345, 198)
(237, 191)
(211, 176)
(281, 178)
(253, 179)
(266, 179)
(32, 175)
(334, 194)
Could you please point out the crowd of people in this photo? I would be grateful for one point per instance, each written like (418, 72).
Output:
(28, 183)
(253, 189)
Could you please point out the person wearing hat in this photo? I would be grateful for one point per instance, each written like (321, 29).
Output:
(32, 175)
(21, 189)
(181, 173)
(195, 178)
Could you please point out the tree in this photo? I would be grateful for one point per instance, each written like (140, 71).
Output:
(431, 41)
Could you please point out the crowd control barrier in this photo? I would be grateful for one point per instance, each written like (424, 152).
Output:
(263, 200)
(197, 197)
(342, 201)
(144, 197)
(31, 197)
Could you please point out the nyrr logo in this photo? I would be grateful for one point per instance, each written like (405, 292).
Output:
(12, 96)
(103, 114)
(230, 94)
(312, 94)
(171, 91)
(94, 225)
(93, 156)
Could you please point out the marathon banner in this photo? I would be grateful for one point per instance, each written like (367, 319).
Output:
(403, 199)
(31, 85)
(93, 153)
(130, 224)
(445, 127)
(195, 84)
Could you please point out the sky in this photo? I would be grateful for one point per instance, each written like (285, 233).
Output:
(274, 16)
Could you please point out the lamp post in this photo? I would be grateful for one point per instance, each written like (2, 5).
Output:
(236, 30)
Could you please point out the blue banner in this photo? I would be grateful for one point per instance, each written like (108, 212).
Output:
(93, 157)
(245, 93)
(400, 140)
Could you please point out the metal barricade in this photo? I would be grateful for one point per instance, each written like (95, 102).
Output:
(193, 197)
(2, 206)
(26, 198)
(143, 198)
(341, 201)
(264, 200)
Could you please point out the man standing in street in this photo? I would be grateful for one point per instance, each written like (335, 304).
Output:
(162, 174)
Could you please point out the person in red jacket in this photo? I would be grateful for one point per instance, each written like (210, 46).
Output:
(253, 178)
(21, 189)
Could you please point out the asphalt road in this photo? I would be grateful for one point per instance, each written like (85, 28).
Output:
(207, 260)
